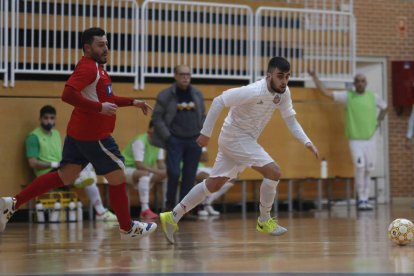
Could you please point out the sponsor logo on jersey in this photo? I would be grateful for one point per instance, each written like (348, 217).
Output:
(109, 89)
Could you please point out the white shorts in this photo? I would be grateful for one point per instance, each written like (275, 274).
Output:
(129, 171)
(235, 155)
(206, 170)
(363, 153)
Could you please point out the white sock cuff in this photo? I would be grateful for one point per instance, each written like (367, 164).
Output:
(206, 191)
(270, 183)
(145, 178)
(228, 184)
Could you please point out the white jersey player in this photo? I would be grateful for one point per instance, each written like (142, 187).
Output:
(251, 107)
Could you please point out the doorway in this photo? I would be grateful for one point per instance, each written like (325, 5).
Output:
(375, 69)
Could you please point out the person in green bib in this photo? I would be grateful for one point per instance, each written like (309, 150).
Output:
(362, 119)
(144, 167)
(44, 152)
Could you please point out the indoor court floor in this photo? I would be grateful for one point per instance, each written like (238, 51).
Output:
(331, 243)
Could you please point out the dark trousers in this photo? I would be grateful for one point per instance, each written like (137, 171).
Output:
(183, 155)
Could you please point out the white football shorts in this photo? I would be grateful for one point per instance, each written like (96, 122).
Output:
(206, 170)
(363, 153)
(235, 155)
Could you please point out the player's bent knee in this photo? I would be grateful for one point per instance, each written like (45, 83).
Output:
(273, 174)
(214, 184)
(68, 179)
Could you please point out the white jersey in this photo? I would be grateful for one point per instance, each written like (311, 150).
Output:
(251, 108)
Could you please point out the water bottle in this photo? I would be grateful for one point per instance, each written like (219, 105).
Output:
(72, 211)
(54, 216)
(63, 214)
(324, 169)
(40, 212)
(79, 211)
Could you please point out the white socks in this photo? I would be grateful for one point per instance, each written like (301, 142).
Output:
(143, 188)
(367, 182)
(360, 184)
(196, 195)
(218, 194)
(95, 197)
(267, 197)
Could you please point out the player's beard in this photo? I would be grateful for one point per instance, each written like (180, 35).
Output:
(275, 89)
(101, 59)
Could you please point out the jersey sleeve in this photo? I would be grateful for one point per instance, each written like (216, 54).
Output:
(238, 96)
(138, 150)
(380, 102)
(340, 96)
(83, 75)
(71, 96)
(32, 146)
(286, 107)
(123, 101)
(215, 109)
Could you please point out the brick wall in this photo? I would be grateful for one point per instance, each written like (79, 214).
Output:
(378, 35)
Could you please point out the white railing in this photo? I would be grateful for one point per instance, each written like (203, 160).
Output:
(214, 39)
(309, 39)
(47, 35)
(325, 5)
(4, 41)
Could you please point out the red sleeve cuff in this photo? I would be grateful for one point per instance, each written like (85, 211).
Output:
(123, 101)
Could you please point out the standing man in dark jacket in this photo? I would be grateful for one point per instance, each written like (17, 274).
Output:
(178, 118)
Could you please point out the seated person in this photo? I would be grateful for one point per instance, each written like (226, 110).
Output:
(44, 152)
(203, 172)
(144, 166)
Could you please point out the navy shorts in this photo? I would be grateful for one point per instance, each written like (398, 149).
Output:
(103, 154)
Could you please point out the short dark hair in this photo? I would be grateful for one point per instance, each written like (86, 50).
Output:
(151, 124)
(47, 109)
(88, 34)
(278, 62)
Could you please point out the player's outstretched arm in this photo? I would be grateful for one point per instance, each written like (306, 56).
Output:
(297, 131)
(126, 101)
(321, 87)
(313, 149)
(381, 115)
(143, 105)
(215, 109)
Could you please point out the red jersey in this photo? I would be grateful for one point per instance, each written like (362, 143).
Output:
(93, 82)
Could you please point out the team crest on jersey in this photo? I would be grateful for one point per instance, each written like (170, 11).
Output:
(277, 98)
(109, 89)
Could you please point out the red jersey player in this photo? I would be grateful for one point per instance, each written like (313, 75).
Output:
(89, 90)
